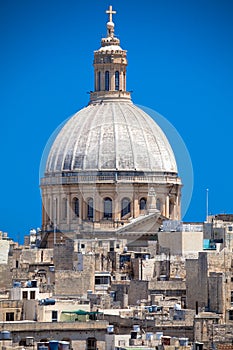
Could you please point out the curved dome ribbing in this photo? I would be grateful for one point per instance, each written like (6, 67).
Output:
(111, 135)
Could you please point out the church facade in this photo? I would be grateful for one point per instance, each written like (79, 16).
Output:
(110, 165)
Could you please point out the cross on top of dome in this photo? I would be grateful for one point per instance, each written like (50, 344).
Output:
(110, 12)
(110, 24)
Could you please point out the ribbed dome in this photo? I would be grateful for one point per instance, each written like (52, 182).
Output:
(111, 135)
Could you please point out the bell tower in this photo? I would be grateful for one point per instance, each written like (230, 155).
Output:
(110, 64)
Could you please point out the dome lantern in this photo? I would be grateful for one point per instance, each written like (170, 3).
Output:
(110, 64)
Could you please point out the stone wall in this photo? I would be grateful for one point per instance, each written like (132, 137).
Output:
(63, 256)
(75, 283)
(196, 281)
(138, 290)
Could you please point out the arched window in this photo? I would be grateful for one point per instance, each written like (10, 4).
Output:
(90, 210)
(125, 207)
(158, 204)
(107, 208)
(117, 81)
(99, 81)
(107, 80)
(142, 204)
(76, 206)
(64, 208)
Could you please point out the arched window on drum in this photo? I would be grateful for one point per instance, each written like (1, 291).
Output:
(142, 204)
(90, 208)
(75, 206)
(125, 207)
(107, 208)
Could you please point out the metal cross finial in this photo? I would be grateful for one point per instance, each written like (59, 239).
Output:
(110, 12)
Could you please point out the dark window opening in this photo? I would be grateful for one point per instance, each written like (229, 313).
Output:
(90, 211)
(91, 344)
(10, 316)
(125, 207)
(107, 80)
(102, 280)
(107, 208)
(158, 204)
(117, 81)
(54, 316)
(25, 294)
(99, 81)
(76, 206)
(142, 204)
(32, 294)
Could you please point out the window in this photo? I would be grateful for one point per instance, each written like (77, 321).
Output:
(102, 280)
(99, 81)
(231, 297)
(91, 344)
(117, 82)
(90, 210)
(125, 207)
(17, 264)
(76, 207)
(54, 316)
(142, 204)
(158, 204)
(10, 316)
(107, 208)
(32, 294)
(82, 245)
(25, 294)
(107, 80)
(230, 315)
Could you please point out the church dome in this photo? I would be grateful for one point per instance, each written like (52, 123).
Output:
(111, 135)
(110, 163)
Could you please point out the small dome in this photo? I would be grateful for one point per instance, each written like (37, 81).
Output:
(111, 135)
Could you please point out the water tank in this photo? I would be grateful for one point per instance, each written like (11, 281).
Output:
(110, 329)
(16, 284)
(177, 306)
(43, 347)
(29, 341)
(149, 336)
(183, 341)
(64, 345)
(53, 345)
(158, 335)
(136, 328)
(154, 308)
(5, 335)
(47, 301)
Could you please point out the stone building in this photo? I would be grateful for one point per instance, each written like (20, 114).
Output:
(209, 282)
(110, 164)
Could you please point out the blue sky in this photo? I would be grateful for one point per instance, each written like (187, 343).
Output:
(180, 58)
